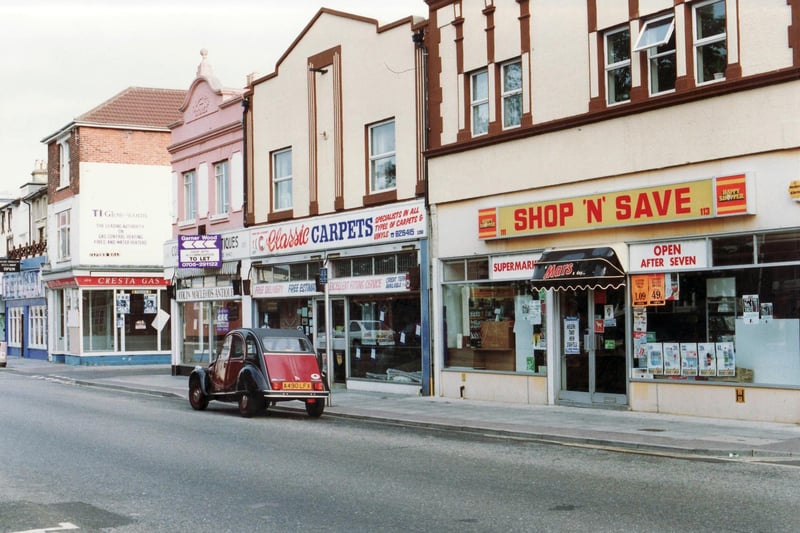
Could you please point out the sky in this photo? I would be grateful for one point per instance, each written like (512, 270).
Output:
(61, 58)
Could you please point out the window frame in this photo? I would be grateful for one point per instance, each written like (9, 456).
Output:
(478, 104)
(63, 228)
(609, 68)
(189, 195)
(376, 157)
(64, 156)
(655, 51)
(281, 181)
(222, 187)
(507, 95)
(699, 43)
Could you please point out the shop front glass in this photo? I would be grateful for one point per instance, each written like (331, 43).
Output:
(736, 322)
(492, 325)
(205, 325)
(125, 320)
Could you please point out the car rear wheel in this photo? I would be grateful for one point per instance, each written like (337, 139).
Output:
(197, 397)
(250, 403)
(315, 408)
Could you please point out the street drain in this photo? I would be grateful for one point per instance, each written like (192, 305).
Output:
(654, 430)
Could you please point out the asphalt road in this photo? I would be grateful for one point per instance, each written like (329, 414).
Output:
(98, 460)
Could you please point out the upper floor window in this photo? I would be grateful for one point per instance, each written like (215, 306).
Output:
(479, 102)
(618, 65)
(710, 41)
(382, 157)
(282, 180)
(512, 94)
(63, 163)
(189, 196)
(63, 227)
(222, 187)
(657, 38)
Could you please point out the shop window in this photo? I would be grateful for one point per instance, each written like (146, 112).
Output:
(342, 268)
(454, 270)
(477, 269)
(735, 325)
(298, 272)
(385, 264)
(730, 251)
(778, 247)
(362, 266)
(189, 196)
(405, 261)
(494, 326)
(710, 41)
(618, 65)
(657, 39)
(222, 187)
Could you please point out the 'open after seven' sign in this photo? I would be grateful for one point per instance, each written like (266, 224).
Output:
(199, 251)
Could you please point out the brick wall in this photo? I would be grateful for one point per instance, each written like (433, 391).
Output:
(124, 146)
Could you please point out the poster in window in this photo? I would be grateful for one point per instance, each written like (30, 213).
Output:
(750, 308)
(639, 319)
(726, 359)
(672, 359)
(706, 359)
(655, 358)
(572, 342)
(123, 303)
(766, 311)
(688, 358)
(150, 304)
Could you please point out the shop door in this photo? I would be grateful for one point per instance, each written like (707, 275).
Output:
(593, 346)
(338, 336)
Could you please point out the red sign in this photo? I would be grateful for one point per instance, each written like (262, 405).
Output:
(108, 281)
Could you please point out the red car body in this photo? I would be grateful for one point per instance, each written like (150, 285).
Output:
(256, 367)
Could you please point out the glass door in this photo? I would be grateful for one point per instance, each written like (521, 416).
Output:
(338, 342)
(593, 346)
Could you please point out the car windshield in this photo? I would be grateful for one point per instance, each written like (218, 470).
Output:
(286, 344)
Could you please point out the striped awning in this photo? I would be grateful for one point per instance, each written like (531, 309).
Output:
(585, 268)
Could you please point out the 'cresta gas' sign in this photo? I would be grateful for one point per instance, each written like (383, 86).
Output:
(372, 226)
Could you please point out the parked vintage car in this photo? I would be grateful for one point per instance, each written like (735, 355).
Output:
(256, 367)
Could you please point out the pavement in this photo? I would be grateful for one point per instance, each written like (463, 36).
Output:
(618, 430)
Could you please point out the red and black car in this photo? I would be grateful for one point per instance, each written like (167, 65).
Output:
(259, 366)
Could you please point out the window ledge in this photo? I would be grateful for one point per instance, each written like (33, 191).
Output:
(187, 223)
(380, 197)
(216, 219)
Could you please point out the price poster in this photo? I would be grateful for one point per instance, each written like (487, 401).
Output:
(655, 358)
(688, 358)
(648, 289)
(726, 359)
(706, 359)
(672, 359)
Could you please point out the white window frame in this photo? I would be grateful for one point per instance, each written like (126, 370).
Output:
(37, 326)
(508, 94)
(377, 159)
(654, 35)
(63, 223)
(699, 43)
(189, 195)
(479, 104)
(63, 163)
(611, 68)
(14, 315)
(222, 187)
(282, 193)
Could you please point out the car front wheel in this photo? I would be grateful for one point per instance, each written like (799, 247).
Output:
(197, 397)
(314, 408)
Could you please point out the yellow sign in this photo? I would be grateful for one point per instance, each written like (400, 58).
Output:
(691, 200)
(794, 190)
(648, 290)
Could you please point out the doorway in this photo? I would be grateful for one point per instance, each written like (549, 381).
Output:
(338, 343)
(592, 347)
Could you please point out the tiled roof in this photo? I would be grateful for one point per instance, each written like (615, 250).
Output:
(138, 106)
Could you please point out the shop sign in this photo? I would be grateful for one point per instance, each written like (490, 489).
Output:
(199, 251)
(277, 290)
(204, 293)
(108, 281)
(691, 200)
(9, 265)
(511, 267)
(368, 284)
(666, 256)
(25, 284)
(653, 289)
(360, 228)
(794, 190)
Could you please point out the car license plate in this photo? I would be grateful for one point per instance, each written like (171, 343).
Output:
(297, 385)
